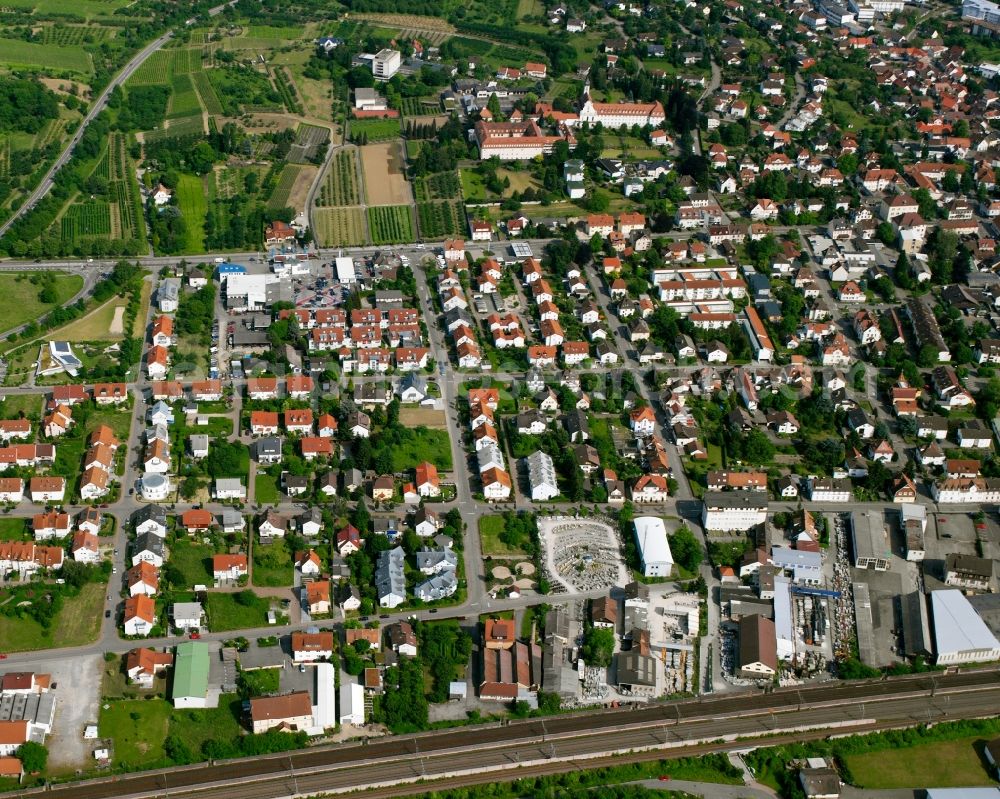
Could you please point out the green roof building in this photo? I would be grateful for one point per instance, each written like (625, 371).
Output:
(190, 675)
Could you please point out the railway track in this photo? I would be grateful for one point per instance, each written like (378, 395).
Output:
(672, 727)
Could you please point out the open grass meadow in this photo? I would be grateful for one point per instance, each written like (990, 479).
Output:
(77, 623)
(490, 528)
(193, 561)
(422, 444)
(96, 325)
(193, 201)
(272, 565)
(943, 764)
(220, 723)
(21, 299)
(12, 529)
(138, 729)
(373, 130)
(266, 489)
(225, 611)
(14, 405)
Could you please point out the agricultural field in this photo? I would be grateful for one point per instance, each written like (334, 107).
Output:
(439, 186)
(119, 217)
(74, 34)
(433, 30)
(292, 188)
(241, 90)
(420, 106)
(385, 174)
(373, 130)
(340, 227)
(441, 219)
(207, 92)
(341, 185)
(230, 181)
(79, 10)
(91, 218)
(390, 224)
(309, 141)
(175, 128)
(186, 60)
(183, 98)
(157, 70)
(71, 58)
(193, 201)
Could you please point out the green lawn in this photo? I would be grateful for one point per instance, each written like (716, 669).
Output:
(225, 613)
(272, 565)
(212, 724)
(473, 187)
(193, 202)
(138, 728)
(490, 528)
(946, 764)
(423, 445)
(374, 129)
(13, 529)
(118, 419)
(194, 561)
(16, 404)
(20, 299)
(266, 489)
(217, 427)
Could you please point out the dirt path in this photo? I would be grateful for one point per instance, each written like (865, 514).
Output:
(118, 322)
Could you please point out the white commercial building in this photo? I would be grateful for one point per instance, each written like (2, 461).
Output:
(345, 269)
(352, 704)
(960, 634)
(385, 64)
(325, 709)
(654, 549)
(784, 628)
(248, 292)
(734, 510)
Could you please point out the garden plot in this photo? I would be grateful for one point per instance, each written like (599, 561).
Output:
(385, 174)
(339, 227)
(580, 554)
(308, 141)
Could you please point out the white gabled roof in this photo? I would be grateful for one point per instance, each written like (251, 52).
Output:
(651, 535)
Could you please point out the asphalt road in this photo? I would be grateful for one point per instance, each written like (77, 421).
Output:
(672, 727)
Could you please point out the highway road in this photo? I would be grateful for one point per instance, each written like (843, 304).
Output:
(43, 188)
(670, 729)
